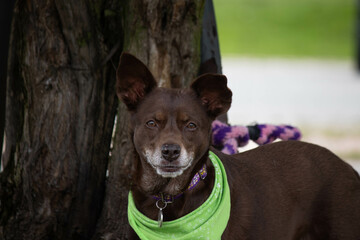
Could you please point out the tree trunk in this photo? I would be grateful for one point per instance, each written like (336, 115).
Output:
(61, 107)
(166, 35)
(5, 28)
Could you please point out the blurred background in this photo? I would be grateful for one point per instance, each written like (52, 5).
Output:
(293, 62)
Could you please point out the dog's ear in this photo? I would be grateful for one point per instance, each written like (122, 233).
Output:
(213, 92)
(133, 81)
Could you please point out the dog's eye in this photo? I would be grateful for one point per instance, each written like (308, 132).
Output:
(151, 124)
(191, 126)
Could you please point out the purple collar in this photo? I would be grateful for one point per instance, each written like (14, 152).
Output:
(167, 198)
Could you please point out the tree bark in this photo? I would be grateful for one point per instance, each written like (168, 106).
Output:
(61, 106)
(6, 10)
(166, 35)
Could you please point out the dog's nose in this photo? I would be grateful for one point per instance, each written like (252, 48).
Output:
(170, 151)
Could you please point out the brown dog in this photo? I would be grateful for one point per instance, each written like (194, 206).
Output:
(286, 190)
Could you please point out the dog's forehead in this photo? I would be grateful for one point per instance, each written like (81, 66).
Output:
(163, 101)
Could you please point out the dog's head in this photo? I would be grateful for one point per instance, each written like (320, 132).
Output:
(171, 127)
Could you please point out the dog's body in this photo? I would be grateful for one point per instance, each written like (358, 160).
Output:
(286, 190)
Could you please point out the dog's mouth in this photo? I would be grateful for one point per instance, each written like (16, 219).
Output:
(170, 168)
(170, 171)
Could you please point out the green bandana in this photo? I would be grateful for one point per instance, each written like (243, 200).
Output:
(206, 222)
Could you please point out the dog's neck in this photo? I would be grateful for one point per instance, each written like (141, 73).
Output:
(148, 183)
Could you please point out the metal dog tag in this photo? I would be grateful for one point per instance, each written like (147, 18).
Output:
(160, 217)
(160, 214)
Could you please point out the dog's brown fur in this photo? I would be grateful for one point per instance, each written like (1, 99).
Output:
(286, 190)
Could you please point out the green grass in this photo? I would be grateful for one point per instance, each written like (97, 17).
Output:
(286, 28)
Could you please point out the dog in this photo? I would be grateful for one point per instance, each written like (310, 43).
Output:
(284, 190)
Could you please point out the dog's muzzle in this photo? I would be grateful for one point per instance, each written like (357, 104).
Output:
(169, 160)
